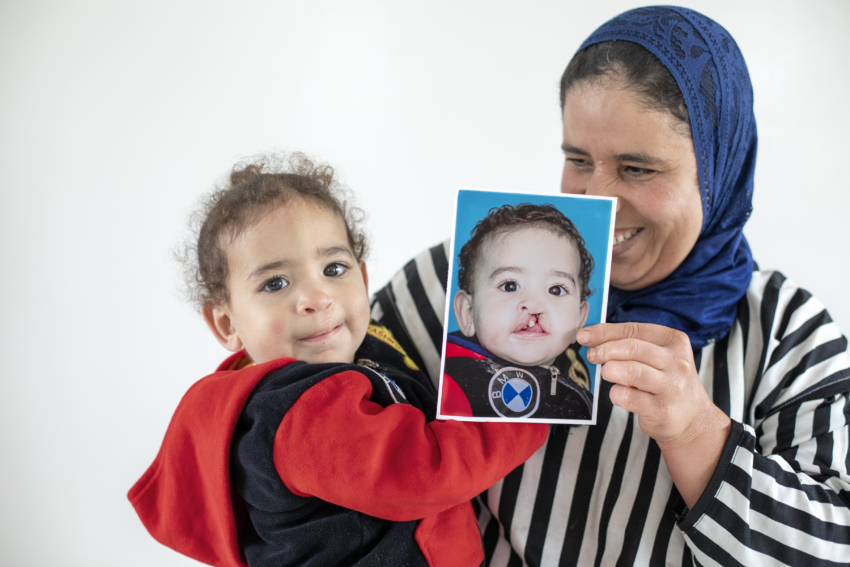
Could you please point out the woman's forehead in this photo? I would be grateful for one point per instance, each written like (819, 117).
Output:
(605, 114)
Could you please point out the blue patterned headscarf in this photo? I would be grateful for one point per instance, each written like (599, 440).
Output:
(700, 297)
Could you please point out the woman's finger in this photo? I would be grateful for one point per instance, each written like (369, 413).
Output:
(634, 375)
(630, 350)
(606, 332)
(633, 400)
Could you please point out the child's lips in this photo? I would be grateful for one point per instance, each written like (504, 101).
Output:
(322, 335)
(530, 327)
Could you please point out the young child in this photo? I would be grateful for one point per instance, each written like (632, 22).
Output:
(524, 281)
(315, 443)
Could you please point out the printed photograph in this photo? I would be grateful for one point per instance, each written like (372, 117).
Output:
(527, 272)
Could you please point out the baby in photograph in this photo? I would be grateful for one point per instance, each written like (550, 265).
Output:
(524, 282)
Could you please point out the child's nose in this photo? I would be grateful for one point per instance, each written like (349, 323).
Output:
(313, 300)
(531, 304)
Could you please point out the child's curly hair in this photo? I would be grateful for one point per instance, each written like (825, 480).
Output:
(254, 188)
(507, 218)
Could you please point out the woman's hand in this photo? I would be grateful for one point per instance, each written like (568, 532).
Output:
(654, 376)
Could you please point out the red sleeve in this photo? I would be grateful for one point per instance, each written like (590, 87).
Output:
(336, 445)
(454, 400)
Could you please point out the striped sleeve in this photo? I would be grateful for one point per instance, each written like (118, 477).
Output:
(602, 495)
(412, 306)
(781, 493)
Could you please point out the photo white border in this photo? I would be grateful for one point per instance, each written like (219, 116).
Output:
(446, 317)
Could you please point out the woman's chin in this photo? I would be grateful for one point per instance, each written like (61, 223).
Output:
(646, 270)
(625, 277)
(630, 272)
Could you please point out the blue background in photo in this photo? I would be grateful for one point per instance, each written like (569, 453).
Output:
(592, 218)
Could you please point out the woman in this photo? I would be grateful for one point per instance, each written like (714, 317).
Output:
(736, 448)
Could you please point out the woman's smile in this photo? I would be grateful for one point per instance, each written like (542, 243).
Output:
(624, 240)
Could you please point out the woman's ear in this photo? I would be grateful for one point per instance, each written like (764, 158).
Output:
(462, 304)
(219, 321)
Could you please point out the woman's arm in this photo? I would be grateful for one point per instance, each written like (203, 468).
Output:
(778, 488)
(412, 306)
(655, 377)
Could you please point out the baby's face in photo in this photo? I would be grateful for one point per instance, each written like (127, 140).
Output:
(526, 302)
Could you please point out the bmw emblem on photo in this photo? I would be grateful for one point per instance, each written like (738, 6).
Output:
(514, 392)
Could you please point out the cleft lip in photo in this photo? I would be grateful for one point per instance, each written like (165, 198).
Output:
(531, 327)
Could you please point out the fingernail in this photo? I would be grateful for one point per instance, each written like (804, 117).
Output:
(591, 355)
(583, 336)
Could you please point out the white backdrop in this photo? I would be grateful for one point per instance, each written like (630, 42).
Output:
(116, 116)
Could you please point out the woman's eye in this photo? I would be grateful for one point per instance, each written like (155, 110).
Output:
(638, 171)
(578, 163)
(509, 286)
(557, 290)
(335, 270)
(276, 283)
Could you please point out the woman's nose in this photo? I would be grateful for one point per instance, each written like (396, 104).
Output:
(600, 182)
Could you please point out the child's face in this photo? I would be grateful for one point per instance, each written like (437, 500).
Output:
(526, 302)
(296, 289)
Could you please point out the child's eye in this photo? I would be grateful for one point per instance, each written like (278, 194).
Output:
(558, 290)
(509, 286)
(276, 283)
(335, 270)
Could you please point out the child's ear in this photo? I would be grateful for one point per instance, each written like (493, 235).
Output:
(462, 304)
(582, 314)
(365, 276)
(218, 320)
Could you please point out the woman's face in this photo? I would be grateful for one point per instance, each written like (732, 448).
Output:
(615, 147)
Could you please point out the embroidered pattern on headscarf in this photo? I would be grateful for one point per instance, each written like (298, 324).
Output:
(700, 297)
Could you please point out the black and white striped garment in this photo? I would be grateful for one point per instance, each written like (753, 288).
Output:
(602, 495)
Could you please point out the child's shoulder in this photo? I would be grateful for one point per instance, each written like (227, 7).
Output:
(380, 343)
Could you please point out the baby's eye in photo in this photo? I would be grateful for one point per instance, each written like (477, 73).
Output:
(335, 270)
(509, 286)
(558, 290)
(276, 283)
